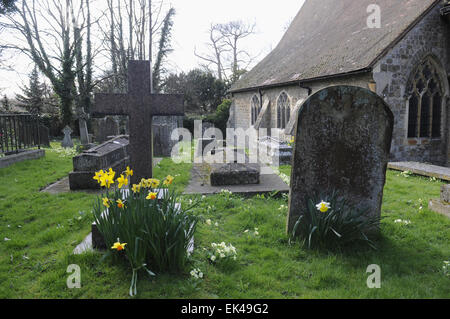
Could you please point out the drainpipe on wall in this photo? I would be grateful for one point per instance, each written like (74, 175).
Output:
(301, 85)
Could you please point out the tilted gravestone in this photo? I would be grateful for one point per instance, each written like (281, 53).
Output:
(67, 141)
(111, 154)
(103, 128)
(342, 143)
(141, 106)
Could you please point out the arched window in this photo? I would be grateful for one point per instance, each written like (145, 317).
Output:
(425, 95)
(283, 110)
(255, 108)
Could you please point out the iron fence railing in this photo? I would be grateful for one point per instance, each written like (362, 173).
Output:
(18, 132)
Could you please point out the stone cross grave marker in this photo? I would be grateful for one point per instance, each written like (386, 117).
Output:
(342, 143)
(67, 141)
(140, 105)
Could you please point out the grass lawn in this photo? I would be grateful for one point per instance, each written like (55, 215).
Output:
(41, 231)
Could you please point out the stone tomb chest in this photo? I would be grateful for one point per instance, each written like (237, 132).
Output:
(111, 154)
(234, 172)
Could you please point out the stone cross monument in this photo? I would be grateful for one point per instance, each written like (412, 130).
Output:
(140, 105)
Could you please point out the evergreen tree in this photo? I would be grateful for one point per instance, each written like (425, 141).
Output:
(32, 97)
(5, 104)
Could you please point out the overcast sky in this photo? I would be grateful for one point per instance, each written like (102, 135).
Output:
(191, 23)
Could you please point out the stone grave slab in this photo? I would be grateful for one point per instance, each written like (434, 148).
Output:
(111, 154)
(343, 140)
(442, 204)
(234, 174)
(422, 169)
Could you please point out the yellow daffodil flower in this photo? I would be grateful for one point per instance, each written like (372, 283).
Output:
(120, 204)
(169, 180)
(122, 181)
(153, 182)
(136, 188)
(144, 183)
(106, 202)
(106, 181)
(118, 246)
(323, 206)
(129, 171)
(152, 196)
(98, 175)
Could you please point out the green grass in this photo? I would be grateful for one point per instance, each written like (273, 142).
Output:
(44, 229)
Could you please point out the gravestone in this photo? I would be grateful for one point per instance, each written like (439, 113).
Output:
(441, 205)
(141, 106)
(104, 128)
(163, 126)
(67, 140)
(275, 151)
(342, 143)
(44, 136)
(111, 154)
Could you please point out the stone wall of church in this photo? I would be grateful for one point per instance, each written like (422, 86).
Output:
(242, 101)
(392, 72)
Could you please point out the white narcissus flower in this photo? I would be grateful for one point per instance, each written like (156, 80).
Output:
(213, 258)
(208, 222)
(323, 206)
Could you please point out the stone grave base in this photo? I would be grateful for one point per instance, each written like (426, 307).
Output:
(234, 174)
(20, 157)
(269, 182)
(422, 169)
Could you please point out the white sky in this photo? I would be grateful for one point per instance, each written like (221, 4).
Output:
(191, 23)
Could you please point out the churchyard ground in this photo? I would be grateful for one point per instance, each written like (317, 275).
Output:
(39, 231)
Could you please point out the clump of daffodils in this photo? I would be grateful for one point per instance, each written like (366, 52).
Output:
(222, 251)
(197, 274)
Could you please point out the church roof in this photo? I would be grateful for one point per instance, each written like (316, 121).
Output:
(332, 37)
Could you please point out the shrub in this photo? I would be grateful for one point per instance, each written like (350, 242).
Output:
(147, 226)
(331, 222)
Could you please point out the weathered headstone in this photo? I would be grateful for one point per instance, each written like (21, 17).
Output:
(140, 105)
(67, 140)
(163, 126)
(203, 144)
(111, 154)
(44, 136)
(342, 143)
(105, 127)
(441, 205)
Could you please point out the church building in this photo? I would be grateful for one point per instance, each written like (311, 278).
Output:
(398, 49)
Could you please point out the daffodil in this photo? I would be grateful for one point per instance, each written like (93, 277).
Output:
(136, 188)
(122, 180)
(120, 204)
(169, 180)
(153, 182)
(106, 202)
(118, 246)
(152, 196)
(98, 175)
(323, 206)
(144, 183)
(129, 171)
(106, 180)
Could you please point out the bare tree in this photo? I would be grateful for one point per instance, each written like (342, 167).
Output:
(224, 49)
(52, 32)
